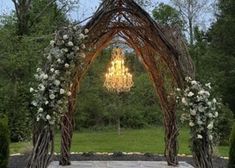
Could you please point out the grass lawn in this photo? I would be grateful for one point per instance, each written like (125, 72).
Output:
(143, 140)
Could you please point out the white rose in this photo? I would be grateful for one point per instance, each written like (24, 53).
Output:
(52, 122)
(178, 89)
(34, 103)
(86, 31)
(201, 109)
(31, 90)
(57, 82)
(210, 137)
(81, 36)
(38, 118)
(62, 91)
(36, 76)
(77, 48)
(41, 87)
(190, 94)
(207, 93)
(188, 79)
(52, 96)
(194, 82)
(65, 37)
(201, 92)
(45, 76)
(46, 102)
(52, 43)
(49, 57)
(57, 72)
(210, 115)
(38, 69)
(83, 55)
(40, 110)
(209, 104)
(214, 100)
(66, 65)
(184, 101)
(83, 46)
(59, 60)
(70, 43)
(52, 69)
(210, 126)
(193, 112)
(199, 122)
(199, 136)
(69, 93)
(65, 50)
(208, 85)
(191, 124)
(48, 117)
(216, 114)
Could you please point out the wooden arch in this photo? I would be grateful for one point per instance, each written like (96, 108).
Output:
(162, 51)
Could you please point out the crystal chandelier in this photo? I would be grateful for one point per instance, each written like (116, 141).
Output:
(118, 79)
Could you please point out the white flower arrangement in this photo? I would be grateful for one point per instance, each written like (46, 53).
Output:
(51, 94)
(200, 109)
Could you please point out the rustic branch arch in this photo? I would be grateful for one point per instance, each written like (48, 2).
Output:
(154, 46)
(162, 51)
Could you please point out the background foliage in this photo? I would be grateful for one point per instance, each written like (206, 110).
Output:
(212, 50)
(4, 142)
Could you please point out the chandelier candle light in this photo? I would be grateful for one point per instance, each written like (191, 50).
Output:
(118, 78)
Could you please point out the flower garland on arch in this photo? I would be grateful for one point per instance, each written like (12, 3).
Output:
(64, 57)
(200, 112)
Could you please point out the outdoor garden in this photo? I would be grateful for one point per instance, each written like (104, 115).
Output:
(137, 83)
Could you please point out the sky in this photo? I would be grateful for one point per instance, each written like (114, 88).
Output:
(88, 7)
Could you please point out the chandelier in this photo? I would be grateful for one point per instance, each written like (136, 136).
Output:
(118, 79)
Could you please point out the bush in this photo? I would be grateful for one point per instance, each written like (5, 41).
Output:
(4, 142)
(232, 149)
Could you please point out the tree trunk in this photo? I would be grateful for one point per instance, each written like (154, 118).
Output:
(118, 125)
(191, 31)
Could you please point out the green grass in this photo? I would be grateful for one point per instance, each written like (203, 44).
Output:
(143, 140)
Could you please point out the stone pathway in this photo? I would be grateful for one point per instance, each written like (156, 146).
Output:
(119, 164)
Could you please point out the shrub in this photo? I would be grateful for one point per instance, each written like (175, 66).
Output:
(232, 149)
(4, 142)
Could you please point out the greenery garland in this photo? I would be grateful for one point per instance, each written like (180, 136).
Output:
(200, 112)
(65, 53)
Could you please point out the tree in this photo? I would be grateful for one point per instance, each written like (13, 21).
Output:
(4, 142)
(18, 59)
(24, 7)
(222, 40)
(166, 15)
(190, 10)
(231, 163)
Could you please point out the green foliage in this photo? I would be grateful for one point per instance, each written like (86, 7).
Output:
(19, 55)
(231, 163)
(99, 108)
(167, 15)
(222, 40)
(224, 125)
(4, 142)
